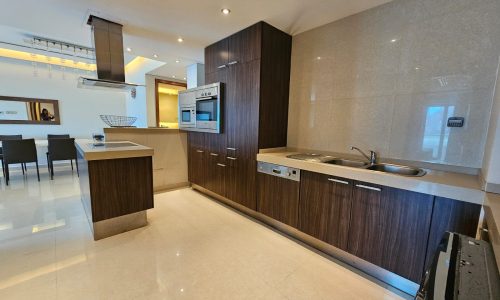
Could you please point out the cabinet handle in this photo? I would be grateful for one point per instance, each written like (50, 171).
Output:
(232, 63)
(229, 148)
(214, 154)
(221, 165)
(200, 151)
(484, 229)
(231, 158)
(221, 66)
(369, 187)
(338, 181)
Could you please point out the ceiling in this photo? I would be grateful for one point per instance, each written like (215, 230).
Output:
(153, 26)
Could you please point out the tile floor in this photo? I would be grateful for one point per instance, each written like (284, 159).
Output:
(193, 248)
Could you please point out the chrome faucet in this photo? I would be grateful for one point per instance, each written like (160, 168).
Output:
(372, 158)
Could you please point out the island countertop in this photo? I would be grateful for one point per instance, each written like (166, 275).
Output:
(112, 150)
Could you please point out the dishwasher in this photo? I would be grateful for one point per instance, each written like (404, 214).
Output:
(278, 192)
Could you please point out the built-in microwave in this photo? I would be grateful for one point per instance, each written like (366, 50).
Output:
(200, 108)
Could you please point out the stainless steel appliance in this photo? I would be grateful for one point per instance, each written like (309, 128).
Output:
(280, 171)
(462, 268)
(200, 108)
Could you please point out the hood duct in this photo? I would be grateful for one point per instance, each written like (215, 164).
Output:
(107, 39)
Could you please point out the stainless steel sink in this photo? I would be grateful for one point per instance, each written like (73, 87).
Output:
(347, 162)
(396, 169)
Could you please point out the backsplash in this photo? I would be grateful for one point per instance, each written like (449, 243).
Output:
(388, 79)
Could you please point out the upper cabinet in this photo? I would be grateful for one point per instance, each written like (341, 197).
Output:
(216, 56)
(245, 45)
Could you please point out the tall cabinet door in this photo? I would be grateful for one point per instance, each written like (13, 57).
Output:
(324, 208)
(245, 45)
(242, 109)
(241, 181)
(216, 56)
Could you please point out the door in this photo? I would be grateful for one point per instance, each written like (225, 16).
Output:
(245, 45)
(197, 166)
(324, 208)
(216, 56)
(242, 110)
(389, 227)
(278, 198)
(241, 181)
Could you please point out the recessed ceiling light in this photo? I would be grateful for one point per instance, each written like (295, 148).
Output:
(173, 76)
(129, 49)
(225, 11)
(177, 61)
(180, 40)
(393, 40)
(184, 78)
(318, 58)
(155, 55)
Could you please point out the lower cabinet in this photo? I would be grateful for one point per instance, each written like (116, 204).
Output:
(278, 198)
(325, 207)
(389, 227)
(198, 166)
(241, 181)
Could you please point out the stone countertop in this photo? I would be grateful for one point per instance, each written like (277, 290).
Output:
(141, 130)
(112, 150)
(451, 185)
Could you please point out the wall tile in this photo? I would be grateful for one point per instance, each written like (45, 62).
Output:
(371, 80)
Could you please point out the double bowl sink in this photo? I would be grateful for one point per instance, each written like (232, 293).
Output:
(380, 167)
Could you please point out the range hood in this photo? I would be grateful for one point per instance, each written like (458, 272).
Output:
(107, 39)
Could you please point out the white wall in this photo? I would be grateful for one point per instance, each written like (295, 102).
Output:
(491, 163)
(79, 108)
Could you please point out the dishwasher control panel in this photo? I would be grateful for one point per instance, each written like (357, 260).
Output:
(280, 171)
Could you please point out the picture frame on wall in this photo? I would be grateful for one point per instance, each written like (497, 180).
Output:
(34, 111)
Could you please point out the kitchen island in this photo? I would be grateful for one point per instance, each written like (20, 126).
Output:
(116, 182)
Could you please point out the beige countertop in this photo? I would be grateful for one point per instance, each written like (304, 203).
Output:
(492, 216)
(141, 130)
(439, 183)
(112, 150)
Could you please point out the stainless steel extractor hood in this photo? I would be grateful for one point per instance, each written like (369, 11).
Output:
(107, 39)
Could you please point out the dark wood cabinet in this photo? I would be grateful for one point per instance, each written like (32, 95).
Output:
(278, 198)
(389, 228)
(325, 207)
(451, 215)
(216, 56)
(197, 166)
(238, 62)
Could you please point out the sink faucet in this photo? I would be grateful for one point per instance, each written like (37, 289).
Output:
(372, 158)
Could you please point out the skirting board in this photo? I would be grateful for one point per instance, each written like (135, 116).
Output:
(392, 279)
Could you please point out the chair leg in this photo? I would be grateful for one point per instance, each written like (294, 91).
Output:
(37, 171)
(48, 164)
(6, 173)
(51, 170)
(3, 168)
(22, 168)
(71, 164)
(77, 171)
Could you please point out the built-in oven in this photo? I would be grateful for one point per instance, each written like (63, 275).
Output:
(200, 109)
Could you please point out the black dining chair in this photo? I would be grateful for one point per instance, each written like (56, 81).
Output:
(10, 137)
(61, 149)
(19, 152)
(56, 136)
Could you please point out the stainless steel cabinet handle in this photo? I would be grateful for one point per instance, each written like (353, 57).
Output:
(221, 165)
(231, 158)
(221, 66)
(483, 229)
(214, 154)
(229, 148)
(232, 63)
(338, 181)
(200, 151)
(369, 187)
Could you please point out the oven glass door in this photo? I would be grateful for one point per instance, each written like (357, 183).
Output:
(206, 110)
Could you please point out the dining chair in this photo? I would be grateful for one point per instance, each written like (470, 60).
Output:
(19, 152)
(61, 149)
(56, 136)
(10, 137)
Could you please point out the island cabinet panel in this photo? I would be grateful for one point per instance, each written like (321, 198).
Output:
(454, 216)
(325, 207)
(278, 198)
(113, 182)
(389, 227)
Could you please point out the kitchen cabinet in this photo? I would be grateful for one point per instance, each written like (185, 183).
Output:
(451, 215)
(389, 228)
(278, 198)
(325, 207)
(197, 166)
(239, 62)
